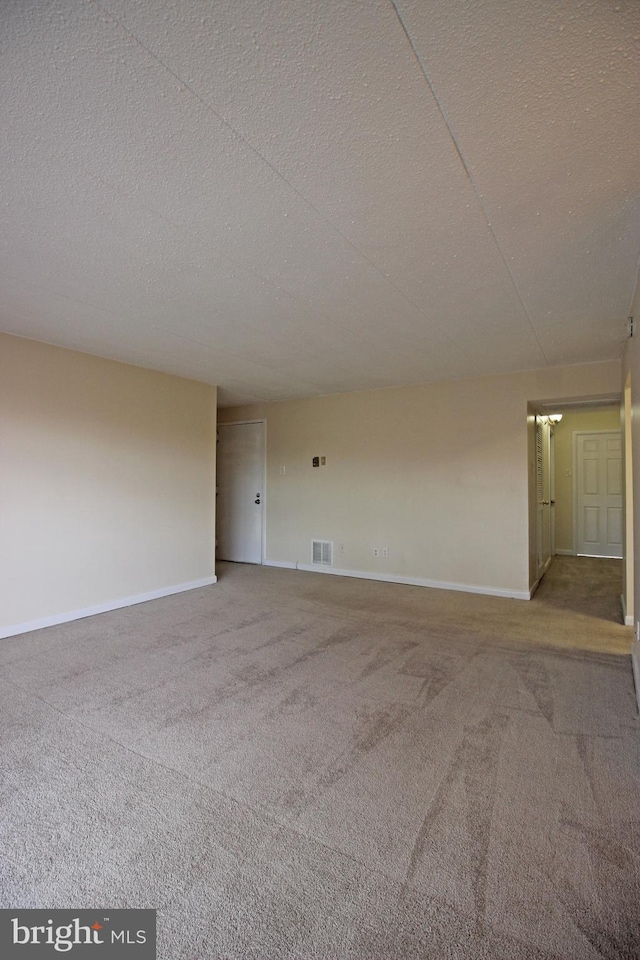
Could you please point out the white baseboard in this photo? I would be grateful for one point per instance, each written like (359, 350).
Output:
(565, 553)
(635, 663)
(411, 581)
(279, 563)
(627, 620)
(71, 615)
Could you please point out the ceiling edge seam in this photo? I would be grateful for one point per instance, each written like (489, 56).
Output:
(635, 289)
(465, 166)
(239, 136)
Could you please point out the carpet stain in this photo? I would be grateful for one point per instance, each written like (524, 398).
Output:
(438, 680)
(584, 746)
(291, 633)
(295, 702)
(383, 657)
(622, 943)
(600, 846)
(251, 621)
(252, 675)
(475, 766)
(376, 726)
(535, 677)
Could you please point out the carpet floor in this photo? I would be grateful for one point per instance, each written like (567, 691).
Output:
(296, 766)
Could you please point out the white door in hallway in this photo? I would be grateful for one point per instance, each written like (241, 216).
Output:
(543, 507)
(599, 494)
(240, 482)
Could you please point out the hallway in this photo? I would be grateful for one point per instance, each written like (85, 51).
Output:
(588, 585)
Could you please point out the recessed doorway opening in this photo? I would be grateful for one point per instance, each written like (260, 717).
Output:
(577, 484)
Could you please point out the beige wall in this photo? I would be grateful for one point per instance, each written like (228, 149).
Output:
(604, 419)
(438, 474)
(107, 482)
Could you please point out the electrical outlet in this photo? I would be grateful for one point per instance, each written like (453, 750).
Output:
(385, 551)
(376, 552)
(283, 470)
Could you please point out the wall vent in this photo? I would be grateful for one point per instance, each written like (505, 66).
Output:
(322, 552)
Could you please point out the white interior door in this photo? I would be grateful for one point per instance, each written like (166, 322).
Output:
(599, 494)
(240, 480)
(543, 498)
(552, 491)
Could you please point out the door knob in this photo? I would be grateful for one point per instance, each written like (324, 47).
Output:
(257, 500)
(545, 503)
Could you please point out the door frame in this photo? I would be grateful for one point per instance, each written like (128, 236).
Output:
(238, 423)
(589, 433)
(552, 491)
(544, 520)
(534, 414)
(627, 598)
(544, 407)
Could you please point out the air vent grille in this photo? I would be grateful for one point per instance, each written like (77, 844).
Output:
(322, 552)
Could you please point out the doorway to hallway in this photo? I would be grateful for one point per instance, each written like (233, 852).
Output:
(576, 485)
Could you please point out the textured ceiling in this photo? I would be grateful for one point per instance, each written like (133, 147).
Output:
(288, 199)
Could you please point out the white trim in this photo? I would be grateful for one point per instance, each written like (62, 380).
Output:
(70, 615)
(564, 553)
(635, 664)
(589, 432)
(235, 423)
(627, 620)
(414, 581)
(392, 578)
(599, 556)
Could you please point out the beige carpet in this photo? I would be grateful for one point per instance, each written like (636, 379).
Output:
(290, 765)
